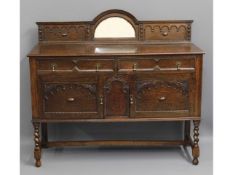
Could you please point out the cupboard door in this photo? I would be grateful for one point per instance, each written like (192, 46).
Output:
(70, 99)
(116, 97)
(162, 97)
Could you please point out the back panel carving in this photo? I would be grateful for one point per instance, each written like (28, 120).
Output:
(166, 31)
(144, 30)
(62, 32)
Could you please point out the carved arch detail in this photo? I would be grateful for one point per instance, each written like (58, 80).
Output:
(181, 86)
(116, 97)
(109, 82)
(54, 89)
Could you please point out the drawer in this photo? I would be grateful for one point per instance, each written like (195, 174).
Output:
(63, 32)
(79, 65)
(96, 65)
(156, 64)
(167, 31)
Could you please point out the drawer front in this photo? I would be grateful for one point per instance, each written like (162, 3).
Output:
(156, 64)
(76, 65)
(161, 96)
(96, 65)
(63, 32)
(167, 31)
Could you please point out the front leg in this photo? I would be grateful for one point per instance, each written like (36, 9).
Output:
(195, 146)
(37, 149)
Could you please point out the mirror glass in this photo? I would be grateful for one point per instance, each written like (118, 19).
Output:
(114, 27)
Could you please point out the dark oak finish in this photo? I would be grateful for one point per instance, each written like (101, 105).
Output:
(37, 149)
(107, 143)
(156, 76)
(44, 133)
(195, 146)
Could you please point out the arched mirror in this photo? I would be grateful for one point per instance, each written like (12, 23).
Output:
(114, 27)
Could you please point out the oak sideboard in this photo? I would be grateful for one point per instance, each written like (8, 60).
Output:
(153, 73)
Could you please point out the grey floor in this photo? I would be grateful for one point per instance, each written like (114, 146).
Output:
(115, 161)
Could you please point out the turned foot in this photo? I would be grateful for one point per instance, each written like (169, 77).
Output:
(37, 149)
(38, 163)
(195, 146)
(195, 161)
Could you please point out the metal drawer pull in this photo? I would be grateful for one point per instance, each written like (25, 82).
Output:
(135, 67)
(101, 99)
(64, 34)
(71, 99)
(165, 33)
(53, 66)
(97, 67)
(131, 99)
(157, 68)
(178, 64)
(162, 98)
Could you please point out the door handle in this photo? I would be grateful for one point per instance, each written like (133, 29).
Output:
(131, 99)
(101, 100)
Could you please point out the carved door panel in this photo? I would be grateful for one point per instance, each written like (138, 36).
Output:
(70, 99)
(162, 97)
(116, 97)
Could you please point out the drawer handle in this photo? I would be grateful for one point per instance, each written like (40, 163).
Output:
(131, 99)
(135, 67)
(162, 98)
(101, 99)
(157, 68)
(178, 64)
(64, 34)
(71, 99)
(165, 33)
(53, 66)
(97, 67)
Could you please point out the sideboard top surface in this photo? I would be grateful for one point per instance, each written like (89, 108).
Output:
(78, 49)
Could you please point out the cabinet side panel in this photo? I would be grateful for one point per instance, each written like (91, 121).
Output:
(34, 87)
(198, 86)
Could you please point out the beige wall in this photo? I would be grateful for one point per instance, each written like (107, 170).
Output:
(73, 10)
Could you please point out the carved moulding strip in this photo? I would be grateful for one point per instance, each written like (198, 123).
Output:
(40, 30)
(189, 32)
(181, 86)
(166, 27)
(141, 32)
(53, 89)
(108, 84)
(88, 32)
